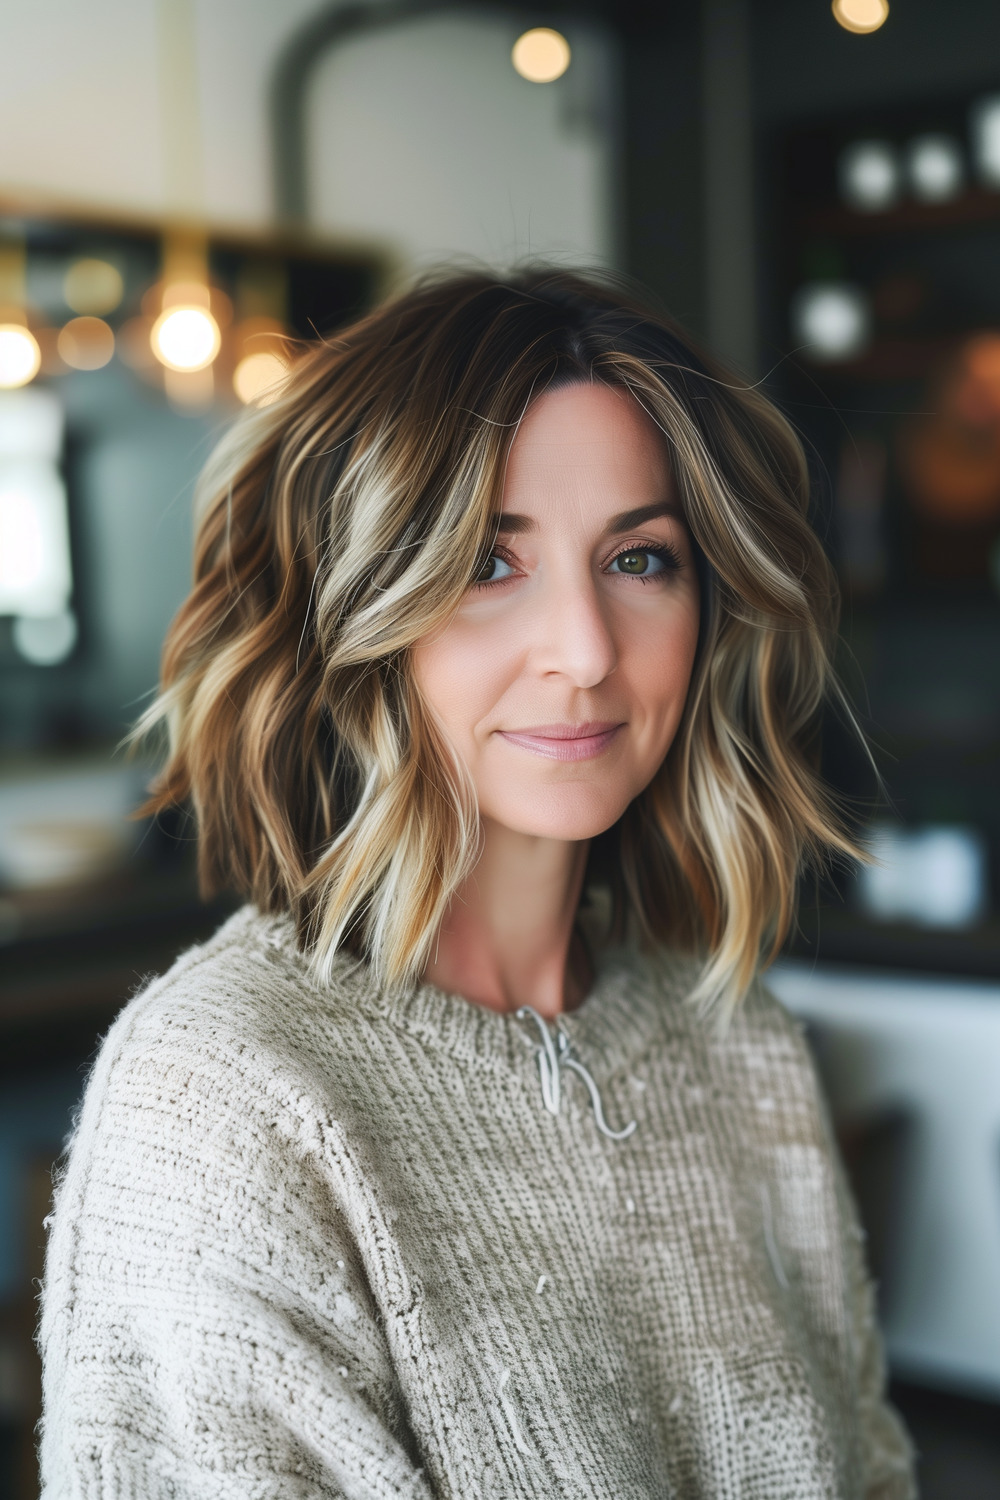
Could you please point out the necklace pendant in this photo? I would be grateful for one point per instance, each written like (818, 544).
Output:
(554, 1054)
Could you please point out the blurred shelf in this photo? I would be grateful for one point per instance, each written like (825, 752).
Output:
(833, 935)
(973, 207)
(895, 359)
(70, 958)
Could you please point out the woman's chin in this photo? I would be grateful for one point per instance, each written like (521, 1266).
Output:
(569, 818)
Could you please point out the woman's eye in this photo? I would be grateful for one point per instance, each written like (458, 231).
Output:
(642, 562)
(492, 570)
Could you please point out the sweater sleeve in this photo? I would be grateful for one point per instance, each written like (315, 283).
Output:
(208, 1330)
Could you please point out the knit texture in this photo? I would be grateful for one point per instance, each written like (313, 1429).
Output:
(324, 1241)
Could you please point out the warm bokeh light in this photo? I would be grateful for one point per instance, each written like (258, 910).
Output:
(86, 343)
(22, 556)
(950, 455)
(185, 338)
(861, 16)
(541, 55)
(189, 391)
(133, 345)
(258, 378)
(93, 286)
(20, 356)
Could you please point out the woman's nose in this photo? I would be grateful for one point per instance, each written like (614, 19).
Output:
(574, 637)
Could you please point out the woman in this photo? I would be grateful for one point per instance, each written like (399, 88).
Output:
(439, 1171)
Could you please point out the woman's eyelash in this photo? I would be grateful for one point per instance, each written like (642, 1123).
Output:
(665, 551)
(487, 583)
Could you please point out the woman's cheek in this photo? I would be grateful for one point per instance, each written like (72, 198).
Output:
(462, 675)
(663, 648)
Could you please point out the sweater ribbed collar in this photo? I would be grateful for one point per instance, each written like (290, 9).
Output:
(631, 1000)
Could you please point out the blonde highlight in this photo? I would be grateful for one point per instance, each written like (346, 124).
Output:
(343, 523)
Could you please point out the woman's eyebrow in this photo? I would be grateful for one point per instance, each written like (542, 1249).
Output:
(509, 523)
(628, 520)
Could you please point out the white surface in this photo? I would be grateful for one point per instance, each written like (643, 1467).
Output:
(83, 101)
(425, 137)
(35, 574)
(935, 876)
(35, 570)
(31, 424)
(931, 1046)
(62, 823)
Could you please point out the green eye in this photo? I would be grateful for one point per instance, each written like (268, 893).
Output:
(633, 562)
(646, 562)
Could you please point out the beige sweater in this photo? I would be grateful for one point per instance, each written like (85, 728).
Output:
(327, 1241)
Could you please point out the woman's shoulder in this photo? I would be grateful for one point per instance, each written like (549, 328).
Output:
(675, 979)
(229, 1067)
(242, 978)
(205, 1163)
(754, 1062)
(240, 1010)
(757, 1040)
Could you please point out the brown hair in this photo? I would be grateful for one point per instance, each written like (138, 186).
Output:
(341, 523)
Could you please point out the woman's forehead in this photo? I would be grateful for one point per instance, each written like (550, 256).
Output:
(585, 443)
(586, 412)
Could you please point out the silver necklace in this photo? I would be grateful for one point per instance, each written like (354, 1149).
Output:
(555, 1054)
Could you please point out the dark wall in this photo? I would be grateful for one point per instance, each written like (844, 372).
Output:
(664, 242)
(805, 64)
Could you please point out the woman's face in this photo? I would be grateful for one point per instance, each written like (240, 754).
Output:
(562, 677)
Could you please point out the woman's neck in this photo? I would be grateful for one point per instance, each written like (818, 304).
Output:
(508, 939)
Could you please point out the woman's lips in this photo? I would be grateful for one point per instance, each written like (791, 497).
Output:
(564, 741)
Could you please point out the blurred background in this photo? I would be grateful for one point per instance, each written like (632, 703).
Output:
(813, 192)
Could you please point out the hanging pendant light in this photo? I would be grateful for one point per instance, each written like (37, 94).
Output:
(20, 354)
(186, 336)
(860, 16)
(541, 55)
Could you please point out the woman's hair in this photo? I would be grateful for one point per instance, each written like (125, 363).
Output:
(344, 521)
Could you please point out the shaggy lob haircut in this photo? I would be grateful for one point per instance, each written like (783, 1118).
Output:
(342, 522)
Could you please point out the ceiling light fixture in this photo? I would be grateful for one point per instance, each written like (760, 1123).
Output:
(20, 356)
(185, 337)
(541, 55)
(860, 16)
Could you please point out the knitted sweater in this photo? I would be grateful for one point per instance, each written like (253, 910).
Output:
(325, 1241)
